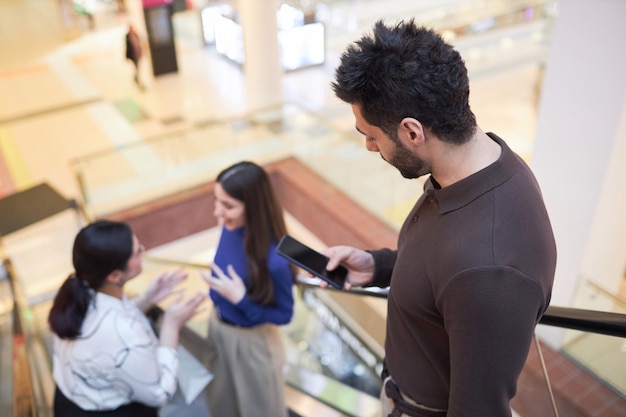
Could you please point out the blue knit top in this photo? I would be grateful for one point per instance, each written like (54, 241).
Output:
(248, 313)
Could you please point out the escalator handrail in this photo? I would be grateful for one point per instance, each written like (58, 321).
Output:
(590, 321)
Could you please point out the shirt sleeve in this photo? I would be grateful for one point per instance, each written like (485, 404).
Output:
(490, 315)
(148, 369)
(281, 312)
(384, 261)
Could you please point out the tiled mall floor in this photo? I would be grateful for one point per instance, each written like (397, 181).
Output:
(78, 97)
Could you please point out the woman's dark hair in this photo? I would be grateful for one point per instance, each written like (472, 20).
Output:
(99, 249)
(265, 224)
(407, 71)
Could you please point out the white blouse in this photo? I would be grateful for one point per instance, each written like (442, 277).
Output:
(116, 360)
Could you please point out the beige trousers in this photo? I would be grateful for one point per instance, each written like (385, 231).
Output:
(247, 364)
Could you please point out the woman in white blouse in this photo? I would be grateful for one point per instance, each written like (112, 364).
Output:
(107, 361)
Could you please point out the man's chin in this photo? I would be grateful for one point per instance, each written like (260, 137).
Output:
(410, 175)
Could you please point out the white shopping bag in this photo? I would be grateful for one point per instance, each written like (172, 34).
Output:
(192, 376)
(192, 380)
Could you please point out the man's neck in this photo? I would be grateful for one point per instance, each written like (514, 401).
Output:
(452, 163)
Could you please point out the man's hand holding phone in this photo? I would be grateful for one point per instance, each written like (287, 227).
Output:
(360, 265)
(311, 261)
(339, 266)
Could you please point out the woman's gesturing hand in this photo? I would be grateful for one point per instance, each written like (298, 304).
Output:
(230, 286)
(177, 314)
(160, 288)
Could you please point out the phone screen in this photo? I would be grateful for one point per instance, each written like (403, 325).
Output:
(311, 261)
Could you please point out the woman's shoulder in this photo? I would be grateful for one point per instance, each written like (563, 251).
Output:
(110, 315)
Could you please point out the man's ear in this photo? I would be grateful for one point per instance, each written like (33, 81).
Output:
(411, 132)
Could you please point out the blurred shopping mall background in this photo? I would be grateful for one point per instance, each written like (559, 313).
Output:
(546, 76)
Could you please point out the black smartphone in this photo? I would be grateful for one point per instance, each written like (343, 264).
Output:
(311, 260)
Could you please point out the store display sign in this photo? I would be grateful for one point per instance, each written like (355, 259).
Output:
(300, 44)
(209, 17)
(159, 26)
(153, 3)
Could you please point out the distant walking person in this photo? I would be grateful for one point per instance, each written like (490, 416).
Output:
(134, 53)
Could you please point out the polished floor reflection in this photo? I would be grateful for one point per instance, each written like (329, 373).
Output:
(77, 96)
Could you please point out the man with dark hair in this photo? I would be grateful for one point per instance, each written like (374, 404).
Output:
(476, 255)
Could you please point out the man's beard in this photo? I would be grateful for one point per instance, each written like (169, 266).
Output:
(409, 165)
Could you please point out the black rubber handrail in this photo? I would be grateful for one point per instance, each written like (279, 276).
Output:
(591, 321)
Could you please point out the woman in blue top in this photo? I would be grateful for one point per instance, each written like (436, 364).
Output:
(251, 288)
